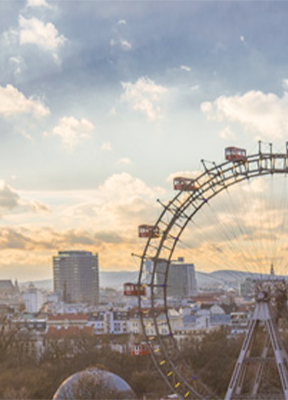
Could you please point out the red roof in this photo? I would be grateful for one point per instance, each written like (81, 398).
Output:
(69, 317)
(206, 298)
(243, 308)
(69, 332)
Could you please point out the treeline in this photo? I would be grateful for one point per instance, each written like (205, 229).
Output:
(213, 358)
(26, 374)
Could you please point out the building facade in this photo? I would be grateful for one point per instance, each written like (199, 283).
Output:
(33, 299)
(76, 276)
(181, 278)
(114, 322)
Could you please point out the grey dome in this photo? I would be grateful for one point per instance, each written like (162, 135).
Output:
(94, 383)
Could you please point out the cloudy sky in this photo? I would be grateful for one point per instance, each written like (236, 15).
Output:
(102, 102)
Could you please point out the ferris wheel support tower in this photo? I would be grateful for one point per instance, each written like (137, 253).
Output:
(271, 302)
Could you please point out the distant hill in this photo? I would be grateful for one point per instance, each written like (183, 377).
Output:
(115, 279)
(46, 284)
(228, 275)
(109, 279)
(232, 276)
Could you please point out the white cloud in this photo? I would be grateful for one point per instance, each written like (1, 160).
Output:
(285, 83)
(25, 134)
(185, 68)
(36, 206)
(144, 96)
(119, 204)
(113, 212)
(45, 36)
(194, 88)
(125, 44)
(119, 39)
(124, 184)
(257, 112)
(242, 38)
(17, 64)
(73, 131)
(227, 134)
(106, 146)
(37, 3)
(10, 200)
(184, 174)
(14, 102)
(206, 107)
(122, 43)
(258, 185)
(11, 37)
(124, 160)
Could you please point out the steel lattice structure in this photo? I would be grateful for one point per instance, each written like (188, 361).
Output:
(271, 302)
(159, 250)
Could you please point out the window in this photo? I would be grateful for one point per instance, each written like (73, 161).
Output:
(117, 327)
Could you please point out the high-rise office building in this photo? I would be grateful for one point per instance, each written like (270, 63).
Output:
(181, 278)
(76, 276)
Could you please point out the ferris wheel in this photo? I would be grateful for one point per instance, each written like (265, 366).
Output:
(165, 238)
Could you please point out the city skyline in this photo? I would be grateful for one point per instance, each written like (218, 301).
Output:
(102, 104)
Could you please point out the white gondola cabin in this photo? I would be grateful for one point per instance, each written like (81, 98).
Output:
(146, 231)
(187, 184)
(131, 289)
(235, 154)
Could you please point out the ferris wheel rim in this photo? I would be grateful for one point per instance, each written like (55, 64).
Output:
(212, 182)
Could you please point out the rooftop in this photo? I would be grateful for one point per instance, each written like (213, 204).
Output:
(69, 332)
(69, 317)
(74, 253)
(6, 284)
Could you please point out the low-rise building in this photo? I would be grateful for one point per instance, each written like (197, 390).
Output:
(175, 320)
(118, 322)
(30, 323)
(114, 322)
(67, 320)
(98, 321)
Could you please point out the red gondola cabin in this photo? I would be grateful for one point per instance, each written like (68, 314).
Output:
(131, 289)
(187, 184)
(140, 349)
(235, 154)
(146, 231)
